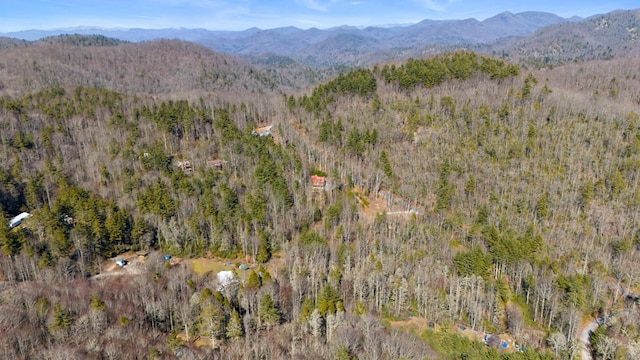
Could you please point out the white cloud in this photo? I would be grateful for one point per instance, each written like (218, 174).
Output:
(204, 4)
(318, 5)
(435, 5)
(314, 5)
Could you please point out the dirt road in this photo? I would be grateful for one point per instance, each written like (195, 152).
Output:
(585, 352)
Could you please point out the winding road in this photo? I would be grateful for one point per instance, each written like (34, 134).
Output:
(589, 328)
(585, 335)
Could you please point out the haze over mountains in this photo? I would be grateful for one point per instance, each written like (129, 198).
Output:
(343, 45)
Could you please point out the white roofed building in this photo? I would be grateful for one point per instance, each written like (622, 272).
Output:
(17, 220)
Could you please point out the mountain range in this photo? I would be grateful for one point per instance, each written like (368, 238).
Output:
(602, 37)
(532, 38)
(344, 45)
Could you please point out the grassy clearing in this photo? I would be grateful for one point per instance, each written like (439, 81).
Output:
(203, 266)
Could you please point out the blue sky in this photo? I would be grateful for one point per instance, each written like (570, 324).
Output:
(18, 15)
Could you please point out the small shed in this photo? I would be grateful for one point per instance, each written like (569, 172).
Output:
(493, 341)
(243, 267)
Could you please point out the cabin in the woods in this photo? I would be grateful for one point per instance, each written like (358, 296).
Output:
(262, 131)
(185, 166)
(318, 181)
(215, 164)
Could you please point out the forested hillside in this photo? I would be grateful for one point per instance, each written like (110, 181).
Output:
(464, 196)
(159, 67)
(601, 37)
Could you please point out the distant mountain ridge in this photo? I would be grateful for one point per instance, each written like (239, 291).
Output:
(602, 37)
(333, 46)
(496, 26)
(536, 38)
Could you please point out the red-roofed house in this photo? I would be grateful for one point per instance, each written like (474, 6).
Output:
(318, 181)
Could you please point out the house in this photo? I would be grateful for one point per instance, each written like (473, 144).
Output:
(262, 131)
(185, 166)
(17, 220)
(225, 278)
(215, 164)
(318, 181)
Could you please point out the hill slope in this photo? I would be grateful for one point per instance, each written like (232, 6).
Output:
(612, 35)
(161, 66)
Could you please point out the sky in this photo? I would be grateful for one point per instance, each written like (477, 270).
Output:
(16, 15)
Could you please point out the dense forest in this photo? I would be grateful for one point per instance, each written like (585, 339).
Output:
(464, 197)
